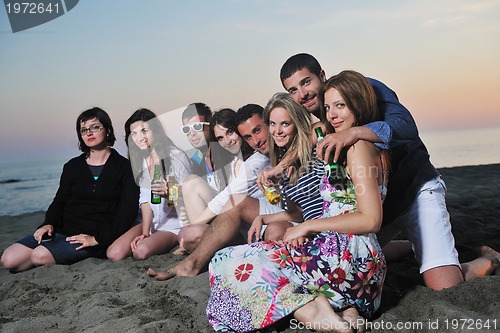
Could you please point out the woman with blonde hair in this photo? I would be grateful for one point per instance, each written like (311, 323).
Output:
(299, 150)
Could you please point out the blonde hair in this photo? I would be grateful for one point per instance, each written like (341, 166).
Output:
(299, 152)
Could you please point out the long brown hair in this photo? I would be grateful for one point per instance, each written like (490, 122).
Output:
(357, 93)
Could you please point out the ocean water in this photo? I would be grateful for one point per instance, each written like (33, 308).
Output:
(30, 186)
(463, 147)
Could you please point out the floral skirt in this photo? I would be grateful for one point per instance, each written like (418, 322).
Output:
(255, 285)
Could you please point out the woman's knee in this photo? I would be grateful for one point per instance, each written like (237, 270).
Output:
(41, 256)
(142, 252)
(116, 253)
(192, 234)
(15, 256)
(8, 260)
(190, 183)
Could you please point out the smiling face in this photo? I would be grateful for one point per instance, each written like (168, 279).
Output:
(141, 134)
(93, 133)
(197, 139)
(338, 113)
(254, 132)
(228, 139)
(281, 127)
(304, 86)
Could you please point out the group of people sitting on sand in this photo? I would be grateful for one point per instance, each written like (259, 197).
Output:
(350, 172)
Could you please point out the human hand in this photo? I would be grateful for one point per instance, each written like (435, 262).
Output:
(335, 142)
(160, 187)
(297, 242)
(85, 240)
(135, 241)
(294, 233)
(269, 176)
(46, 229)
(255, 229)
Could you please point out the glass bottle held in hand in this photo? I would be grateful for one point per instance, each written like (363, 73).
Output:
(156, 198)
(335, 172)
(272, 193)
(173, 188)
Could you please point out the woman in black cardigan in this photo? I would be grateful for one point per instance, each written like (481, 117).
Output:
(96, 202)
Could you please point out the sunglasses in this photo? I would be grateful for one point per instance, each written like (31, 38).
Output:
(198, 127)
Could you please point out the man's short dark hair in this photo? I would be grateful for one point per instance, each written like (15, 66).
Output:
(197, 109)
(247, 111)
(297, 62)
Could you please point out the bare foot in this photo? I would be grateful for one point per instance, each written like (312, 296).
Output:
(490, 254)
(352, 316)
(319, 316)
(486, 264)
(180, 251)
(184, 268)
(160, 276)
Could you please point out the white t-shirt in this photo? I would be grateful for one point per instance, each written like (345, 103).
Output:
(245, 182)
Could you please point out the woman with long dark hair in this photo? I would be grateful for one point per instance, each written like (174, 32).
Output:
(149, 146)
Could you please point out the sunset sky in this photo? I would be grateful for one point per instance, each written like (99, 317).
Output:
(441, 57)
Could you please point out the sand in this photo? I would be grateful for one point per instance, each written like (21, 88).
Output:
(100, 296)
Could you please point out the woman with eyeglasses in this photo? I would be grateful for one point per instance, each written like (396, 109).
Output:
(148, 145)
(95, 203)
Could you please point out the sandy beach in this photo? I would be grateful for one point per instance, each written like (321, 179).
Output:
(100, 296)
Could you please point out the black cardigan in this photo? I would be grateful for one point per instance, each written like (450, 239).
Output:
(104, 208)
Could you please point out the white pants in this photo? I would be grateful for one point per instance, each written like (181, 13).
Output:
(427, 226)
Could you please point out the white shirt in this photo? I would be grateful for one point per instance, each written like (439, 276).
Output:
(245, 182)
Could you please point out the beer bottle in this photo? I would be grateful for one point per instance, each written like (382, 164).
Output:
(173, 188)
(272, 194)
(156, 198)
(335, 172)
(319, 133)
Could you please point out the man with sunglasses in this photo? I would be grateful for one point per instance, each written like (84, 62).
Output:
(196, 126)
(240, 212)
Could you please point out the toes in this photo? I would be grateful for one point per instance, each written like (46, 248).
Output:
(163, 276)
(151, 272)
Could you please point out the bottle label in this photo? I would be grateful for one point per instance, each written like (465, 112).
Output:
(173, 195)
(272, 195)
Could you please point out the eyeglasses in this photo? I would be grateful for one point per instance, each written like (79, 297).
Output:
(91, 129)
(198, 127)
